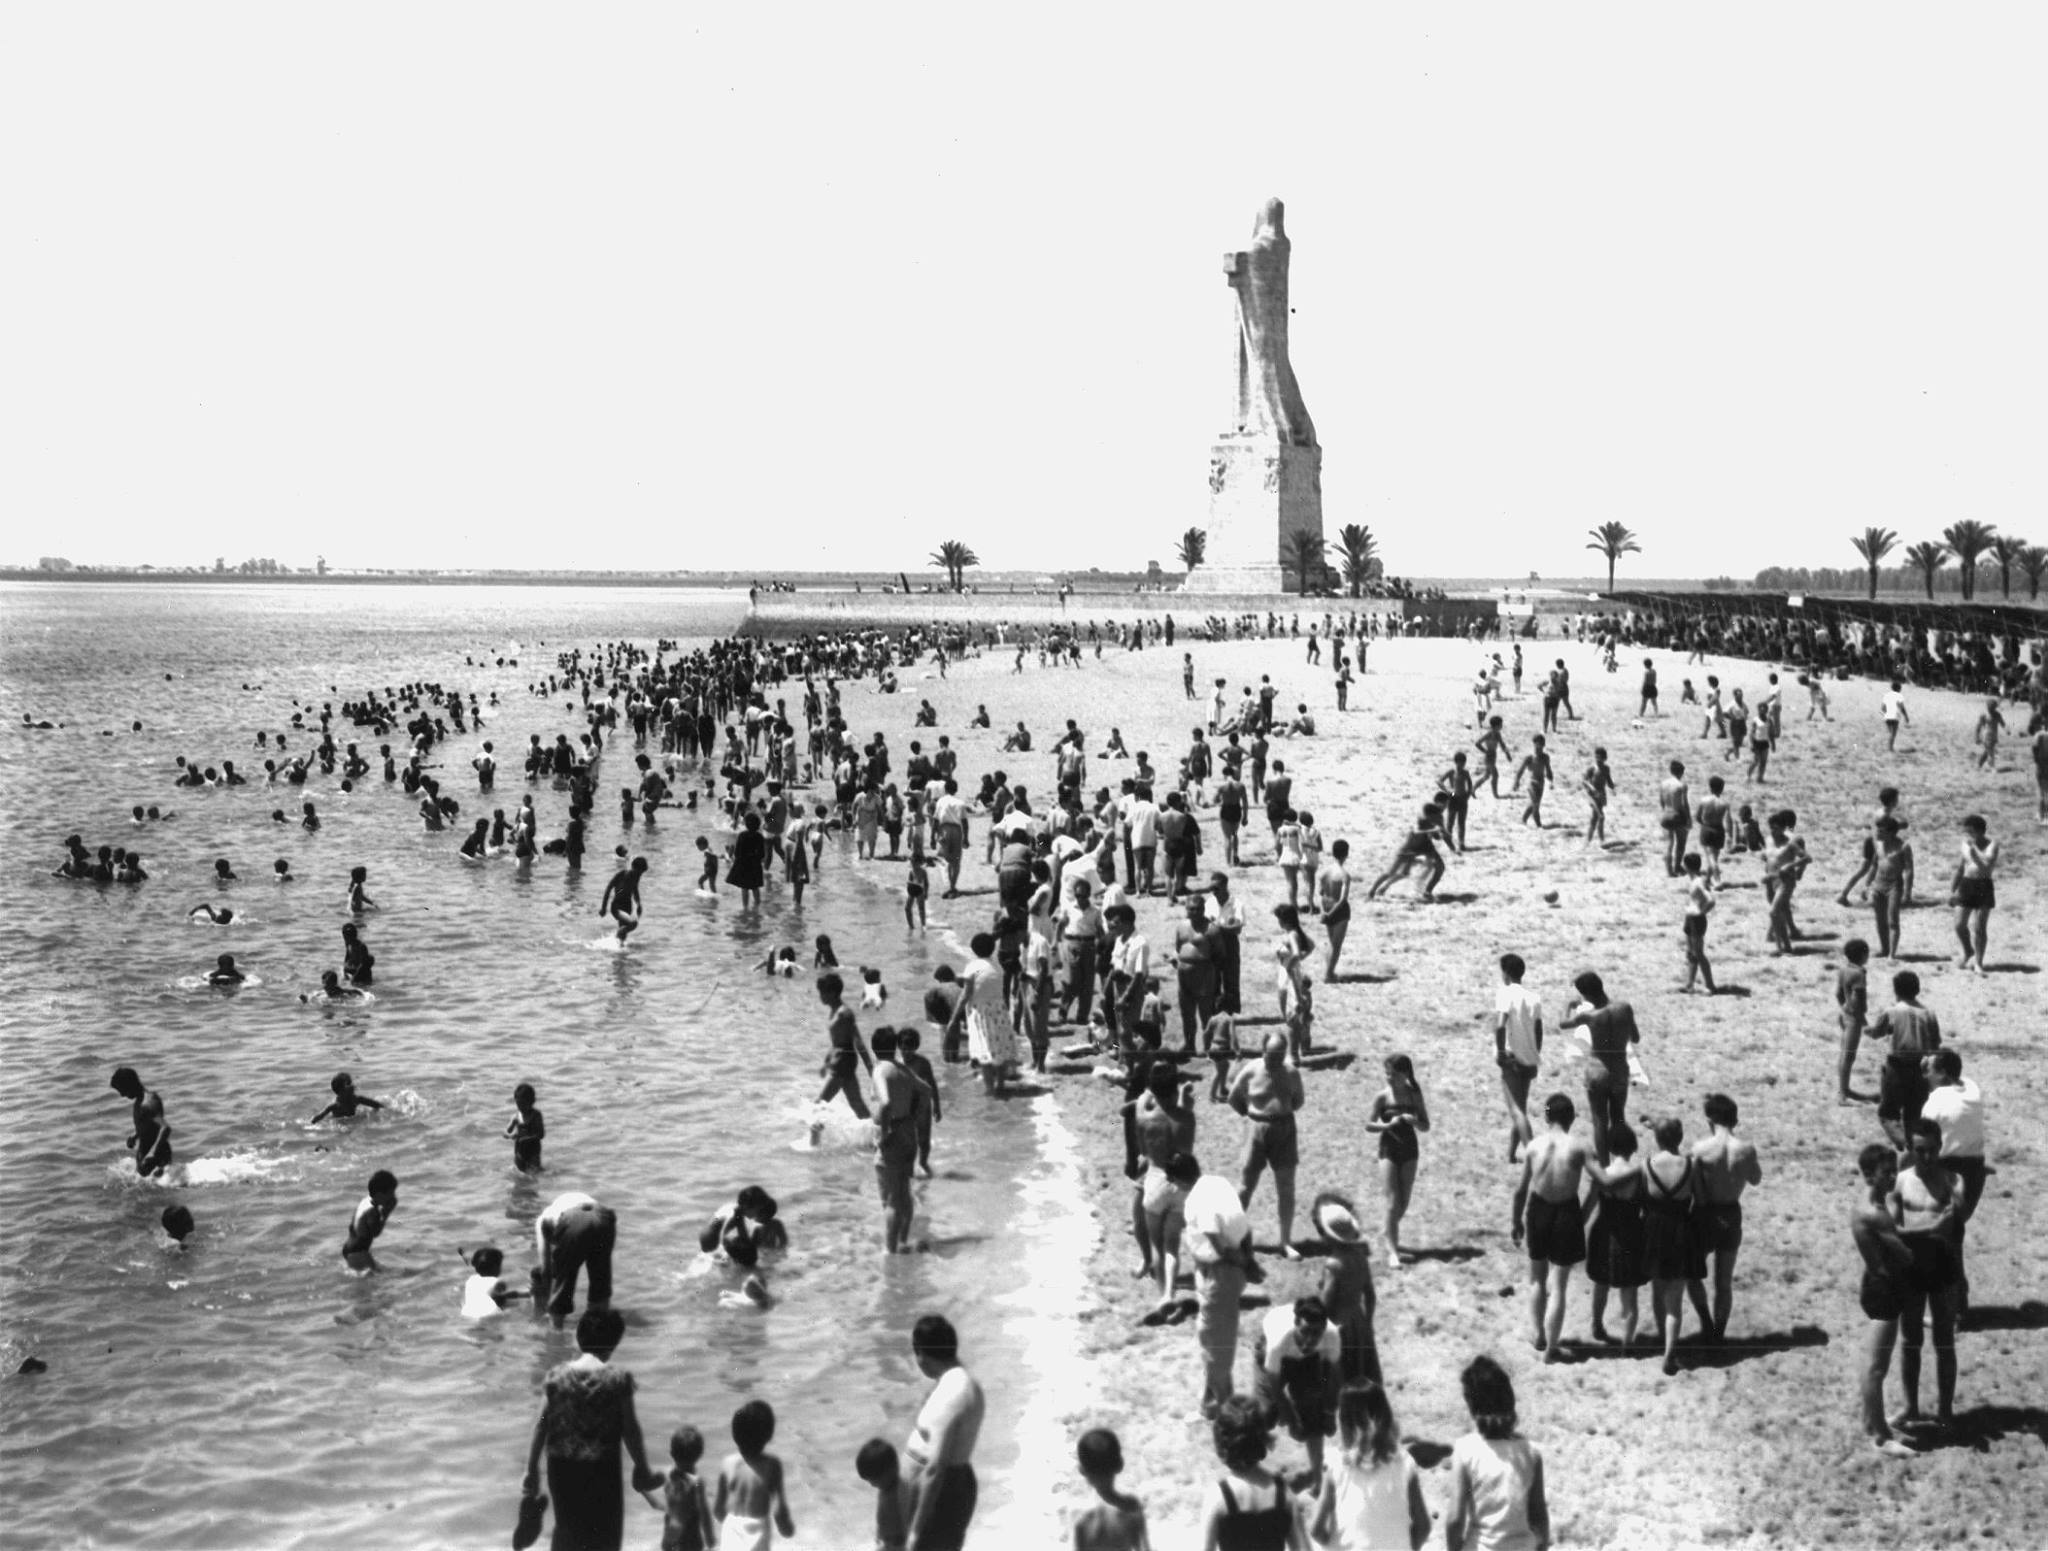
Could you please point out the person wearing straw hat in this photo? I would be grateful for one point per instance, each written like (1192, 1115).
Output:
(1346, 1286)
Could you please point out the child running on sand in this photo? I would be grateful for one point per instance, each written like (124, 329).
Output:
(1537, 768)
(1596, 783)
(753, 1503)
(1492, 746)
(1419, 849)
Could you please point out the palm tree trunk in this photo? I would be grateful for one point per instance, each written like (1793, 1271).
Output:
(1873, 581)
(1610, 573)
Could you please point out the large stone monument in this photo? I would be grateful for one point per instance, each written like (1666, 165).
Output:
(1265, 471)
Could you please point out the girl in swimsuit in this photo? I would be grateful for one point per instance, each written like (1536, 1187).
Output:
(1249, 1509)
(1614, 1249)
(1667, 1233)
(1398, 1112)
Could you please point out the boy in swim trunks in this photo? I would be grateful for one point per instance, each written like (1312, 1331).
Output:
(1852, 999)
(1548, 1216)
(1887, 1262)
(346, 1100)
(753, 1499)
(366, 1225)
(1536, 766)
(1925, 1202)
(1723, 1164)
(151, 1139)
(622, 898)
(527, 1130)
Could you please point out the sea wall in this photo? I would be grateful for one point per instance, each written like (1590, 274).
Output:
(792, 613)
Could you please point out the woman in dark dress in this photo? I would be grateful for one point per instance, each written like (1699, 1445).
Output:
(749, 857)
(586, 1414)
(1614, 1249)
(1668, 1253)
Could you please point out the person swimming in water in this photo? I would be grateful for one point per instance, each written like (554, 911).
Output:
(781, 962)
(224, 972)
(219, 915)
(346, 1100)
(332, 990)
(151, 1139)
(283, 871)
(177, 1222)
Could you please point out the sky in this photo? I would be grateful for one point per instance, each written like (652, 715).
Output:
(814, 286)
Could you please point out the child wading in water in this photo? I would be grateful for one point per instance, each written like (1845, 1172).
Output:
(526, 1128)
(687, 1523)
(751, 1494)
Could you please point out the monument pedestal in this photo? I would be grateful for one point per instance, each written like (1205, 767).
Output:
(1262, 491)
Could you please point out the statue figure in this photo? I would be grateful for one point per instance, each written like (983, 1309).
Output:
(1268, 398)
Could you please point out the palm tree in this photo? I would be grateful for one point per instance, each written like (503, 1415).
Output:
(2033, 562)
(2006, 549)
(1930, 555)
(954, 557)
(1305, 555)
(1361, 555)
(1613, 541)
(1194, 548)
(1969, 539)
(1875, 544)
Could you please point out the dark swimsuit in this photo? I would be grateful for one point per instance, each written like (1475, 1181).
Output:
(1254, 1529)
(1667, 1227)
(1398, 1144)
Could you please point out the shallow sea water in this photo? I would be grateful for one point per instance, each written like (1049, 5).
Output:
(245, 1390)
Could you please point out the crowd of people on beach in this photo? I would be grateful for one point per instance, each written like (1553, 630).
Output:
(1118, 920)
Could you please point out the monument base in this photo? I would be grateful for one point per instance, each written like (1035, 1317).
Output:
(1262, 493)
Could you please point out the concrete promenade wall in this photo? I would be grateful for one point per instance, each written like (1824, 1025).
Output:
(791, 613)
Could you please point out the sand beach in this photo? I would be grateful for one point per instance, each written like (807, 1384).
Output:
(1755, 1443)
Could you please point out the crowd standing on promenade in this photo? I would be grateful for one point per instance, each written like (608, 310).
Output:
(1117, 922)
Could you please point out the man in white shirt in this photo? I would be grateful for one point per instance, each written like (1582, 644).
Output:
(1218, 1236)
(1130, 961)
(1227, 912)
(949, 821)
(1956, 1104)
(1143, 819)
(1517, 1047)
(574, 1233)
